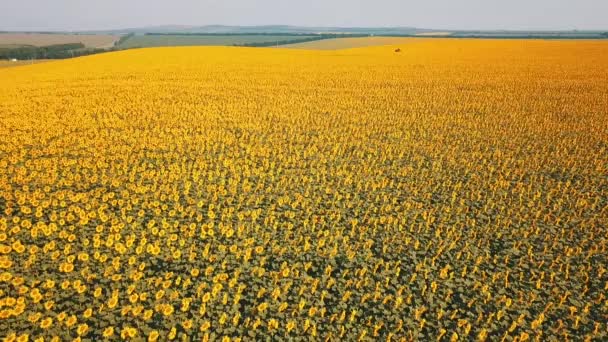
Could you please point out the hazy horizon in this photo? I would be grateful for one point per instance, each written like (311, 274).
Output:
(74, 15)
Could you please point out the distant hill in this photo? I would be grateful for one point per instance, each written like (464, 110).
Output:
(379, 31)
(274, 29)
(372, 31)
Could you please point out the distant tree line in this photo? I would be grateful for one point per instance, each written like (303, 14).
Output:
(530, 36)
(43, 32)
(329, 35)
(229, 34)
(305, 37)
(504, 36)
(302, 40)
(57, 51)
(123, 39)
(61, 51)
(456, 34)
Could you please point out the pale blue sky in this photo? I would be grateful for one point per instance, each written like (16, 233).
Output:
(447, 14)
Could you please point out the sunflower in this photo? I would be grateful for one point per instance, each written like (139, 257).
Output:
(148, 315)
(113, 301)
(82, 329)
(168, 310)
(128, 332)
(46, 323)
(172, 333)
(262, 307)
(33, 318)
(205, 326)
(153, 336)
(272, 324)
(291, 325)
(108, 332)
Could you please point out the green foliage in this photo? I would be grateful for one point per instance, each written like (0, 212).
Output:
(229, 34)
(45, 52)
(152, 40)
(303, 40)
(123, 39)
(225, 39)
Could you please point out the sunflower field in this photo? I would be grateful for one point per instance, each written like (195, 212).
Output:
(456, 190)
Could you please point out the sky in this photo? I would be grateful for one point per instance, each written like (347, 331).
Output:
(77, 15)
